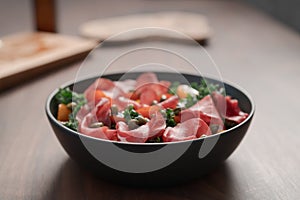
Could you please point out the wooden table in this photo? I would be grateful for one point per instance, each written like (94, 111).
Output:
(250, 49)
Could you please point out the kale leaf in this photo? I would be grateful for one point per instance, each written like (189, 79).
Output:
(66, 96)
(173, 87)
(205, 88)
(170, 117)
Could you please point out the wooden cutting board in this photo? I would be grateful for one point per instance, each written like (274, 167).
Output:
(192, 24)
(26, 55)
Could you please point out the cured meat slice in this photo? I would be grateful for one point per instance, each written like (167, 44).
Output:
(146, 78)
(204, 109)
(188, 130)
(84, 110)
(126, 85)
(170, 102)
(150, 89)
(104, 85)
(123, 102)
(100, 113)
(101, 132)
(151, 129)
(100, 84)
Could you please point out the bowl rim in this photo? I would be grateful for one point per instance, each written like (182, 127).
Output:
(68, 83)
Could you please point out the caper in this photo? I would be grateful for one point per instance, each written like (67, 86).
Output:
(141, 120)
(133, 124)
(164, 114)
(154, 102)
(114, 109)
(96, 125)
(214, 128)
(71, 105)
(133, 113)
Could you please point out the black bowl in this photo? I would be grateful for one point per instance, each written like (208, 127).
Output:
(151, 164)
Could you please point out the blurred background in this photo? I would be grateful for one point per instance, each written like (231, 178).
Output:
(17, 15)
(236, 27)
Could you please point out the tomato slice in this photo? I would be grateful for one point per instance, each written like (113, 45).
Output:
(147, 111)
(63, 112)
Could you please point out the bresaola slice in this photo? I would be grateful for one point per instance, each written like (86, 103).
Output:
(154, 128)
(188, 130)
(205, 110)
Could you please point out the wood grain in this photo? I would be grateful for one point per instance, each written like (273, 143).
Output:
(250, 48)
(25, 55)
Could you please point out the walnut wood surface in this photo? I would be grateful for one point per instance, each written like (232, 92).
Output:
(250, 48)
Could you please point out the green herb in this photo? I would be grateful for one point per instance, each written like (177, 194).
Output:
(173, 87)
(73, 123)
(205, 89)
(169, 114)
(66, 96)
(190, 100)
(129, 113)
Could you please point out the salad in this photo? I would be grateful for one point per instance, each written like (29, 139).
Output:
(148, 110)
